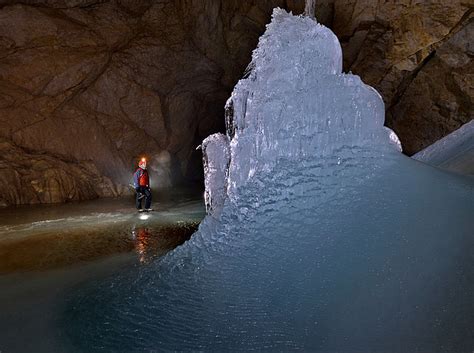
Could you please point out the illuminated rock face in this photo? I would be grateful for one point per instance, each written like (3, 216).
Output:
(33, 178)
(417, 54)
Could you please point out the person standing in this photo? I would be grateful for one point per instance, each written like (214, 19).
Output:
(141, 183)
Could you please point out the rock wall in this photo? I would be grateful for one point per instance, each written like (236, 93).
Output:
(109, 81)
(100, 83)
(418, 55)
(32, 178)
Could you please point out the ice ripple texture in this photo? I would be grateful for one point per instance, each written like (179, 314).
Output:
(321, 235)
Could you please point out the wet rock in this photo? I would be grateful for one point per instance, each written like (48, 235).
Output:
(440, 99)
(34, 178)
(417, 54)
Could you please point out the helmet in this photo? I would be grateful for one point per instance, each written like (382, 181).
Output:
(142, 163)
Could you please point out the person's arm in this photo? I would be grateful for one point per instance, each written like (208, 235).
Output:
(136, 183)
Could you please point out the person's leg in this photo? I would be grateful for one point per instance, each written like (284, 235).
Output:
(147, 198)
(138, 200)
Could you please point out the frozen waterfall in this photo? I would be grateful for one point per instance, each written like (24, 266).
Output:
(321, 236)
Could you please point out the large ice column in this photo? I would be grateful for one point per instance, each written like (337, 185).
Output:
(296, 104)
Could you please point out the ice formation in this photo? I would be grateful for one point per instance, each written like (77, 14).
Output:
(310, 8)
(321, 236)
(454, 152)
(296, 105)
(216, 157)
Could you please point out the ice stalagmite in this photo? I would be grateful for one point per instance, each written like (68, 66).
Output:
(321, 235)
(297, 105)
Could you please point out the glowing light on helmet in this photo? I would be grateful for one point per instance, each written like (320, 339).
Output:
(142, 163)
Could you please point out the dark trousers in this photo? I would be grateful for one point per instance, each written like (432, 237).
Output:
(143, 191)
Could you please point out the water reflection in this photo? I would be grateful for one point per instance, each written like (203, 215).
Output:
(142, 239)
(150, 243)
(43, 238)
(54, 250)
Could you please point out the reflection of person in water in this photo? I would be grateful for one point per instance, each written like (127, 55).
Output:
(157, 240)
(143, 244)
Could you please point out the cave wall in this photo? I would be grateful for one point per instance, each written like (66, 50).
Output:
(99, 83)
(109, 81)
(418, 55)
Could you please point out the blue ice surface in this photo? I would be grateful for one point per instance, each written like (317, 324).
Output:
(321, 237)
(454, 152)
(375, 258)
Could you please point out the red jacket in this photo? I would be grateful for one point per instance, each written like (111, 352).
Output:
(140, 178)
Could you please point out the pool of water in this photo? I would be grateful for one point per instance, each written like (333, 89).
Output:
(53, 236)
(49, 250)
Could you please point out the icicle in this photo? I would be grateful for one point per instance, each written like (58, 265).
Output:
(309, 9)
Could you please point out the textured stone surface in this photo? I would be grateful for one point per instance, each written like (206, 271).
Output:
(109, 81)
(418, 55)
(103, 82)
(32, 178)
(441, 97)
